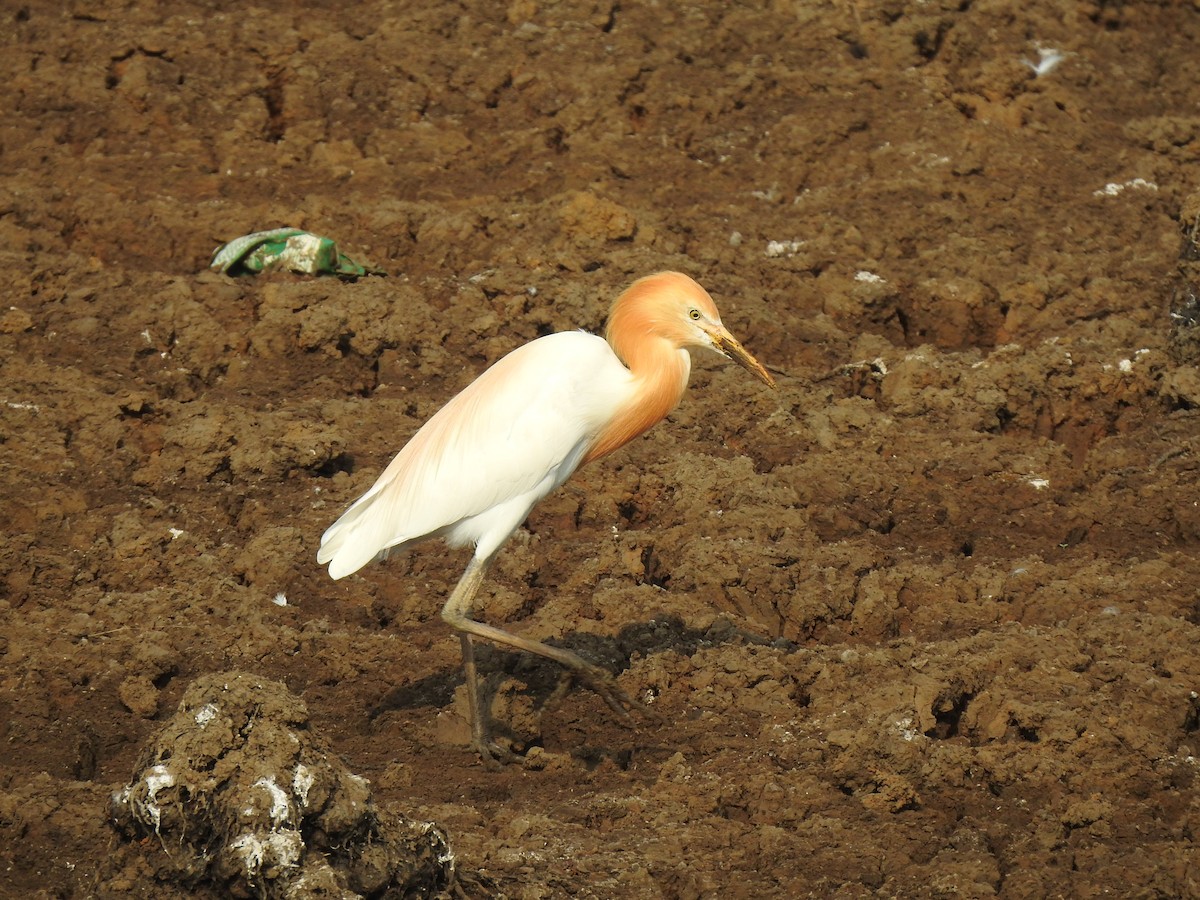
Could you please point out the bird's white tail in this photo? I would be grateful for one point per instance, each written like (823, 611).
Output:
(345, 551)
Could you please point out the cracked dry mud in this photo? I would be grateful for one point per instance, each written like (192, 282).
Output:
(923, 622)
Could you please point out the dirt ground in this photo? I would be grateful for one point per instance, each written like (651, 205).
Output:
(921, 622)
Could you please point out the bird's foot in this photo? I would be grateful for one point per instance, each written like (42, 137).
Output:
(605, 684)
(493, 755)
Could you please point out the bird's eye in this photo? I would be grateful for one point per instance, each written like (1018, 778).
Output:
(694, 313)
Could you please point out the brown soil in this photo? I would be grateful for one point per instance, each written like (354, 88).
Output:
(923, 622)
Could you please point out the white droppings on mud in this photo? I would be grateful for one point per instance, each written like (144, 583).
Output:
(302, 782)
(904, 728)
(206, 714)
(921, 354)
(1113, 188)
(158, 778)
(776, 249)
(281, 810)
(1037, 482)
(446, 857)
(121, 798)
(1126, 364)
(1048, 60)
(277, 848)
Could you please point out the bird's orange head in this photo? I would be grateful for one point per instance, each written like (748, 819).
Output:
(673, 307)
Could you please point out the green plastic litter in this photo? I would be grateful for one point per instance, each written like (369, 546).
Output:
(289, 249)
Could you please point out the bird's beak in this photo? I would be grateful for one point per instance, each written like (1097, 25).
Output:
(726, 343)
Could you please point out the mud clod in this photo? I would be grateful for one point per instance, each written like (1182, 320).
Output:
(921, 622)
(235, 793)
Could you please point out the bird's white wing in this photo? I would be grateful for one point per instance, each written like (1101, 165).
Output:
(476, 468)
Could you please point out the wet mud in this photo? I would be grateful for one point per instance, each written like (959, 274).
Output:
(921, 622)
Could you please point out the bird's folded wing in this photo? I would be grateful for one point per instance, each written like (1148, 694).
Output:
(510, 437)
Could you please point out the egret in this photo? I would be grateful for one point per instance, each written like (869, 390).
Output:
(473, 472)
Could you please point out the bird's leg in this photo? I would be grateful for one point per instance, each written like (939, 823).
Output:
(478, 729)
(481, 738)
(462, 597)
(457, 613)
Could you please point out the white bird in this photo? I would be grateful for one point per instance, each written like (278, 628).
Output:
(474, 471)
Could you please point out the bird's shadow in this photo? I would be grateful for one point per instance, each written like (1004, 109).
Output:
(543, 677)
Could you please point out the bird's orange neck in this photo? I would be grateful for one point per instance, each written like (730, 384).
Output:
(660, 368)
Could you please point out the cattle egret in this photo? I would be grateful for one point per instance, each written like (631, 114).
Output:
(473, 472)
